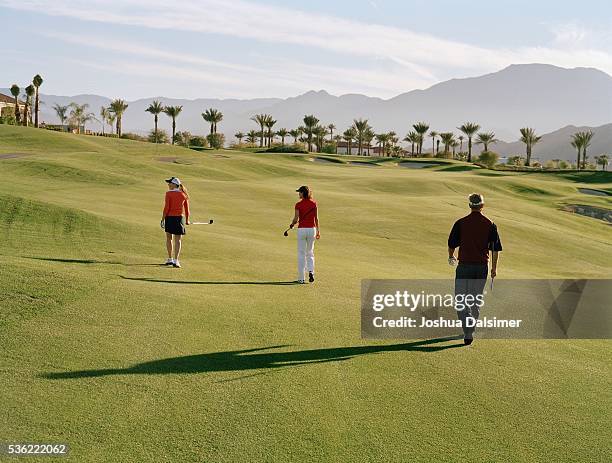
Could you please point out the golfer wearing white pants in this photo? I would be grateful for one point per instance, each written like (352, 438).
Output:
(307, 218)
(305, 246)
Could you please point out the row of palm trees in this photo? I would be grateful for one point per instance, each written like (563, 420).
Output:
(78, 115)
(32, 97)
(211, 115)
(361, 134)
(581, 142)
(312, 133)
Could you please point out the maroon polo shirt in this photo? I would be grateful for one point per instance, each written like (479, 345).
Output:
(475, 236)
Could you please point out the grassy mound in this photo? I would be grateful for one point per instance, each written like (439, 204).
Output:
(226, 360)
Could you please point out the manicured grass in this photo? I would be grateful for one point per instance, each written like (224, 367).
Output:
(224, 361)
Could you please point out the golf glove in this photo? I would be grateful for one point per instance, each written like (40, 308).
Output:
(162, 223)
(452, 261)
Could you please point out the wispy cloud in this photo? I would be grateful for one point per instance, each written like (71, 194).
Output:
(273, 77)
(412, 59)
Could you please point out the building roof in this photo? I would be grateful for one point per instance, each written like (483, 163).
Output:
(9, 99)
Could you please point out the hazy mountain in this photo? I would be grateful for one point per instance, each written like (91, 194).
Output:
(541, 96)
(556, 145)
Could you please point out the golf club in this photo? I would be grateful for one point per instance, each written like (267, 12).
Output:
(210, 222)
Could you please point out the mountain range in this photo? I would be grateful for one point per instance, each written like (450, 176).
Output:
(542, 96)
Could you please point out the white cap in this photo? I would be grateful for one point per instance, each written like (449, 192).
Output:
(476, 199)
(174, 181)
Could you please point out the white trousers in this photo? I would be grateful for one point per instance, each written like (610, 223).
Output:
(305, 247)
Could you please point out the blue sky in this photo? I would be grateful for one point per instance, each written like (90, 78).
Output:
(247, 49)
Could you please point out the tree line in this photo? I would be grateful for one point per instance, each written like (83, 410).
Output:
(311, 133)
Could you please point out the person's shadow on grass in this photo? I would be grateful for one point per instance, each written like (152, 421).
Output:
(254, 359)
(199, 282)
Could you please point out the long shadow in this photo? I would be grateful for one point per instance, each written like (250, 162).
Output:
(195, 282)
(91, 261)
(242, 360)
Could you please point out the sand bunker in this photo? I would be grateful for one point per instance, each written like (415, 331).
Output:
(362, 164)
(12, 155)
(590, 191)
(590, 211)
(327, 161)
(416, 165)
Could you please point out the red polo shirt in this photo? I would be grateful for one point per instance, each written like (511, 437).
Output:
(307, 211)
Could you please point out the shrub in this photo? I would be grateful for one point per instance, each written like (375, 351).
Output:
(198, 142)
(183, 139)
(160, 137)
(564, 165)
(8, 119)
(329, 148)
(488, 158)
(133, 136)
(518, 161)
(216, 140)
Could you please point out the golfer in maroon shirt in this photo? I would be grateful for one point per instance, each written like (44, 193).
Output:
(475, 236)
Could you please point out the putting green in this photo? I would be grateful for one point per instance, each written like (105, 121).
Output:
(223, 360)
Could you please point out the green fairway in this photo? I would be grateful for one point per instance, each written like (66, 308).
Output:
(225, 361)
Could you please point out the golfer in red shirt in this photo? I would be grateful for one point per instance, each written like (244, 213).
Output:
(307, 218)
(173, 222)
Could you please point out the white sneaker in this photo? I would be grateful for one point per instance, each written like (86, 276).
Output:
(300, 282)
(169, 261)
(176, 264)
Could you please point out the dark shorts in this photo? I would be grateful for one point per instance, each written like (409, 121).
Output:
(175, 225)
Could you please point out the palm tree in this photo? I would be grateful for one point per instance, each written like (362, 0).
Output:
(104, 113)
(15, 90)
(295, 133)
(461, 138)
(368, 136)
(603, 161)
(261, 120)
(310, 123)
(155, 108)
(421, 128)
(282, 133)
(173, 112)
(319, 132)
(349, 135)
(269, 124)
(337, 139)
(29, 91)
(454, 144)
(447, 138)
(382, 139)
(331, 128)
(61, 112)
(213, 117)
(239, 136)
(251, 136)
(587, 137)
(578, 146)
(118, 107)
(413, 138)
(37, 81)
(469, 129)
(433, 134)
(485, 139)
(361, 126)
(79, 115)
(112, 117)
(529, 137)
